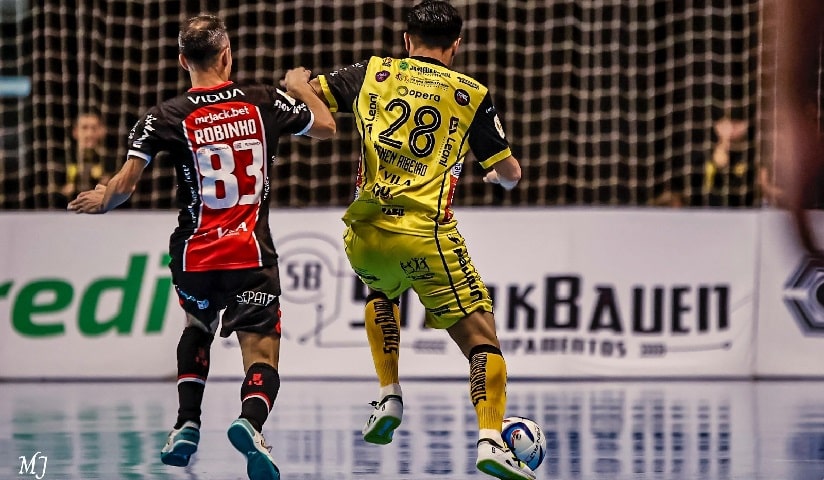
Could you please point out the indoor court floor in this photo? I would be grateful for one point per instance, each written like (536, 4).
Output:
(730, 430)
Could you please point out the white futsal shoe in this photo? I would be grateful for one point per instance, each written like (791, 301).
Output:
(383, 421)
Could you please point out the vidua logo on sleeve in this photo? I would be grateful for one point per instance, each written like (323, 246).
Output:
(29, 466)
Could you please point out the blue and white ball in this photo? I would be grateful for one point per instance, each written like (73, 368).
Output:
(525, 439)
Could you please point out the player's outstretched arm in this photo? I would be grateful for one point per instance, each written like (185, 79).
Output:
(297, 85)
(119, 189)
(506, 173)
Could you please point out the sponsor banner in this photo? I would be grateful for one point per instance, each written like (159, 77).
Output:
(87, 296)
(577, 293)
(790, 300)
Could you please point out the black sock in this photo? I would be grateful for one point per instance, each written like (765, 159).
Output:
(258, 393)
(192, 371)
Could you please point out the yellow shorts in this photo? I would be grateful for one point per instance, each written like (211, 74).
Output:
(437, 268)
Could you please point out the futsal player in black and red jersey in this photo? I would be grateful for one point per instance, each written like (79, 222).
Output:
(222, 138)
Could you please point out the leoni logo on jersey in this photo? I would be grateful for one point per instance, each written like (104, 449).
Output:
(215, 97)
(446, 151)
(373, 107)
(213, 117)
(256, 298)
(403, 91)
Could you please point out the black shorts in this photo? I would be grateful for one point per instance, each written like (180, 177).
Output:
(250, 297)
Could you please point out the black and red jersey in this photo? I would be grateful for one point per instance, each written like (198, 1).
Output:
(223, 142)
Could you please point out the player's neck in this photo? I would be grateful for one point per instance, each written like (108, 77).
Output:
(207, 79)
(443, 56)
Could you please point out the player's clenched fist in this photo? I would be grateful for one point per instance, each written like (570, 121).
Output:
(296, 77)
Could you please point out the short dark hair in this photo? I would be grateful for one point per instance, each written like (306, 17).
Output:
(435, 23)
(201, 39)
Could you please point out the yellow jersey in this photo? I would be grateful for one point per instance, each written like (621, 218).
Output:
(417, 119)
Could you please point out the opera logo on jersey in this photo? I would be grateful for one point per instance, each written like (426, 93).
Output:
(804, 296)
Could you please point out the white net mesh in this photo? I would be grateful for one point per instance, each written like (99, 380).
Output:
(608, 102)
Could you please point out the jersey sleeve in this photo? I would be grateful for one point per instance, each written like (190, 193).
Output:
(486, 135)
(145, 136)
(341, 87)
(292, 115)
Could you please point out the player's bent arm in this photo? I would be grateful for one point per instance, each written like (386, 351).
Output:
(297, 85)
(315, 84)
(122, 185)
(506, 173)
(323, 126)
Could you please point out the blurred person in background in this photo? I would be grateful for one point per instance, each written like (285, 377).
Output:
(87, 164)
(222, 138)
(720, 172)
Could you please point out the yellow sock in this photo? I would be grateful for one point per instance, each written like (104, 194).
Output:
(487, 386)
(383, 331)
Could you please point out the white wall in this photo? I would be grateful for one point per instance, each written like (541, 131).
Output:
(578, 293)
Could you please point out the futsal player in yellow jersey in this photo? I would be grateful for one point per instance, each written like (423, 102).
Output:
(418, 119)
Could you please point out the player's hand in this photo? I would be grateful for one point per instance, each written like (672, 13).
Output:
(90, 201)
(296, 78)
(492, 177)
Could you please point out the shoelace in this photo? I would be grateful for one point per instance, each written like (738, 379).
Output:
(263, 444)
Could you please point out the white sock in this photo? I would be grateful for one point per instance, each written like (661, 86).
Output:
(391, 389)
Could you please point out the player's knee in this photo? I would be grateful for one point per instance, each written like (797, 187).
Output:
(210, 327)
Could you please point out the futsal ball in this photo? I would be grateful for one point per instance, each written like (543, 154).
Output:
(525, 439)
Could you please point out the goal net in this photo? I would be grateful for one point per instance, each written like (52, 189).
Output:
(608, 102)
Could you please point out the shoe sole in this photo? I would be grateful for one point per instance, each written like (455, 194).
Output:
(258, 466)
(491, 467)
(180, 453)
(381, 433)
